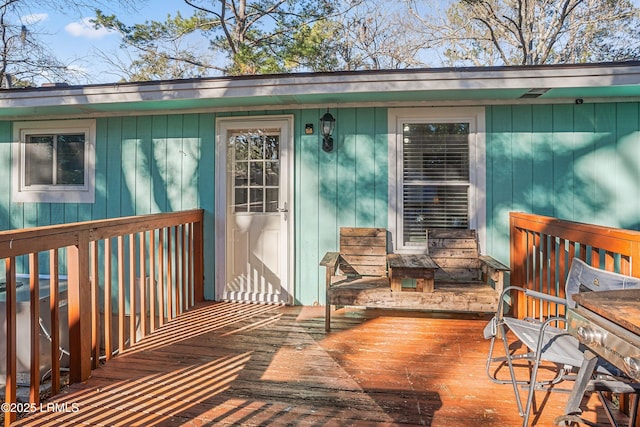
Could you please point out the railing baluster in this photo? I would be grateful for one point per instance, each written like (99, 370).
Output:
(143, 284)
(132, 290)
(184, 269)
(161, 282)
(34, 311)
(95, 304)
(169, 277)
(152, 280)
(177, 275)
(121, 305)
(107, 332)
(54, 309)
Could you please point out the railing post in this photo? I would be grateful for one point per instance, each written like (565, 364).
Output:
(517, 261)
(79, 309)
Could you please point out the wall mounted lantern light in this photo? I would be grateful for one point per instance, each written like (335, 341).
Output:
(327, 124)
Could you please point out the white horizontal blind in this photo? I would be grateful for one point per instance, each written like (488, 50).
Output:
(435, 178)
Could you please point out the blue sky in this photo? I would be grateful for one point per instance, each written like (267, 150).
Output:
(73, 39)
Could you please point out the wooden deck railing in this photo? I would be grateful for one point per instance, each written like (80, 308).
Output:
(542, 249)
(541, 252)
(151, 265)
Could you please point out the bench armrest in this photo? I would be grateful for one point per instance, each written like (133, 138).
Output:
(492, 263)
(494, 270)
(330, 261)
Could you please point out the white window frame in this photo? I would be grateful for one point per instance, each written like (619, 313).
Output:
(53, 193)
(475, 116)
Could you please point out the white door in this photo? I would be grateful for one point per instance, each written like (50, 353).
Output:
(254, 210)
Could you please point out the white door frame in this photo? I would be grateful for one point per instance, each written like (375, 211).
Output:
(223, 124)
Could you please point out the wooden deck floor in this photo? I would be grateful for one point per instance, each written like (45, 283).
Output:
(237, 364)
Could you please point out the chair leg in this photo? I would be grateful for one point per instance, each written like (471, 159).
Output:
(514, 382)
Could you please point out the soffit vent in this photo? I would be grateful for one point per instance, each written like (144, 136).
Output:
(534, 93)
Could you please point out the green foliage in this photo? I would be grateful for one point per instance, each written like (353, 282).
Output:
(254, 37)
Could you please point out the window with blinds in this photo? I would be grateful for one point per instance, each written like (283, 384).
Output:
(435, 178)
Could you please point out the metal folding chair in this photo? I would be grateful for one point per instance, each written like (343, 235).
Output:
(547, 340)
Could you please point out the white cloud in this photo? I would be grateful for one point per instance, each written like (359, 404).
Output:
(84, 28)
(34, 18)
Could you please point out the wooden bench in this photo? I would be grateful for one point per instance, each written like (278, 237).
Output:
(456, 251)
(357, 275)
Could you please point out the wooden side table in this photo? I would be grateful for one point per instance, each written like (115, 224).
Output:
(410, 266)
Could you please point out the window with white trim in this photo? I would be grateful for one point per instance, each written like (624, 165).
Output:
(437, 177)
(53, 161)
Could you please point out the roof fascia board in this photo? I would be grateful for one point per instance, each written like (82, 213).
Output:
(88, 113)
(301, 84)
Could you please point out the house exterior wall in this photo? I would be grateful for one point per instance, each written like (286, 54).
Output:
(579, 162)
(576, 162)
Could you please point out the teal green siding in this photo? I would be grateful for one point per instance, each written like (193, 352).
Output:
(575, 162)
(346, 187)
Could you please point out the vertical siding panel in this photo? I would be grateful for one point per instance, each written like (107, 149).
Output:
(44, 214)
(190, 154)
(563, 161)
(159, 163)
(57, 213)
(584, 120)
(381, 158)
(30, 212)
(128, 163)
(489, 201)
(345, 149)
(365, 168)
(606, 184)
(99, 208)
(314, 203)
(70, 212)
(628, 190)
(114, 166)
(522, 158)
(543, 199)
(174, 162)
(5, 174)
(499, 161)
(206, 196)
(143, 163)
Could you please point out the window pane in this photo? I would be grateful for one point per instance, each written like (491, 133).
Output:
(239, 144)
(70, 160)
(272, 200)
(256, 173)
(272, 147)
(241, 174)
(256, 200)
(256, 151)
(38, 160)
(436, 178)
(272, 173)
(240, 200)
(436, 151)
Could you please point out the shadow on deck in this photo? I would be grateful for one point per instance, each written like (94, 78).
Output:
(239, 364)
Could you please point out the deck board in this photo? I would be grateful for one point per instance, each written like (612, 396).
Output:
(233, 364)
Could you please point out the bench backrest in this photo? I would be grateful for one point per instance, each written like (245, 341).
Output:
(363, 251)
(455, 250)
